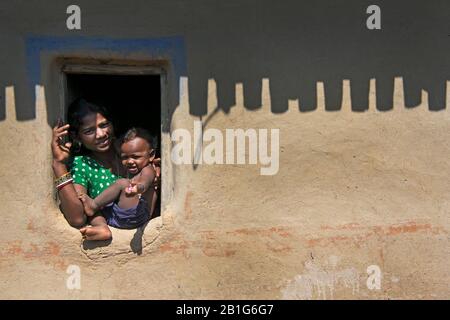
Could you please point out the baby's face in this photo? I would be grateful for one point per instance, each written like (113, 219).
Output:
(135, 155)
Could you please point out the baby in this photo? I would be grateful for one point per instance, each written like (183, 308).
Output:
(128, 203)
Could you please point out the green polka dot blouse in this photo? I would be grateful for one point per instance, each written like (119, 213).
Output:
(91, 175)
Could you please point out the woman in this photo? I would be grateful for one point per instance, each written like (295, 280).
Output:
(97, 166)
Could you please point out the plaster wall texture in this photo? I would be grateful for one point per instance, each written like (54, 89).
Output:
(355, 188)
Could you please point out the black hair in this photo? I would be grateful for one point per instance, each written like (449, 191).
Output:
(140, 133)
(78, 109)
(81, 108)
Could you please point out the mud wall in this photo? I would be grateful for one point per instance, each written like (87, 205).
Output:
(363, 142)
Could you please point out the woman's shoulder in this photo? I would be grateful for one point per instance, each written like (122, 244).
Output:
(78, 160)
(88, 164)
(84, 162)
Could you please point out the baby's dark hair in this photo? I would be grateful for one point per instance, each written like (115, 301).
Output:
(140, 133)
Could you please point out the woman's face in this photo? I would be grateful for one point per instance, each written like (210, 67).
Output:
(96, 132)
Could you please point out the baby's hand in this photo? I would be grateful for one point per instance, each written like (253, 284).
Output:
(131, 190)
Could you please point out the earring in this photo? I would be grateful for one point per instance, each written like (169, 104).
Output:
(76, 146)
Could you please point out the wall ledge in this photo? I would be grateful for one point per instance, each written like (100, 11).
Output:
(124, 242)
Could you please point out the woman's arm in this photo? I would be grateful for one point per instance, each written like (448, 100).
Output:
(71, 206)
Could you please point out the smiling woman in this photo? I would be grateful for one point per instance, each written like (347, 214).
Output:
(94, 167)
(90, 127)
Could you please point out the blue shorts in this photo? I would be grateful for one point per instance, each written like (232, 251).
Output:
(130, 218)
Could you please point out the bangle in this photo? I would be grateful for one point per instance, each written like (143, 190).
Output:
(63, 184)
(61, 177)
(63, 180)
(65, 174)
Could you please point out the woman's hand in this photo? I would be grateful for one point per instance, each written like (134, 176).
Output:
(60, 150)
(156, 163)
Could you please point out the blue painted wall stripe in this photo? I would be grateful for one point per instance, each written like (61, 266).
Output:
(168, 48)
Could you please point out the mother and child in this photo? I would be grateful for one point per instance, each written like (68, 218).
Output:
(103, 181)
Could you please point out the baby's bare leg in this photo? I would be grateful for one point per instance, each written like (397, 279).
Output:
(99, 230)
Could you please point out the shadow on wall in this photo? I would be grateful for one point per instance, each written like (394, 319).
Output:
(297, 44)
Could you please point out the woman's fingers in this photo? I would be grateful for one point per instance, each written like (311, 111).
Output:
(59, 132)
(62, 128)
(65, 147)
(156, 166)
(60, 148)
(58, 137)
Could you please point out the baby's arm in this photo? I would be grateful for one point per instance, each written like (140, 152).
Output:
(107, 196)
(111, 193)
(143, 184)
